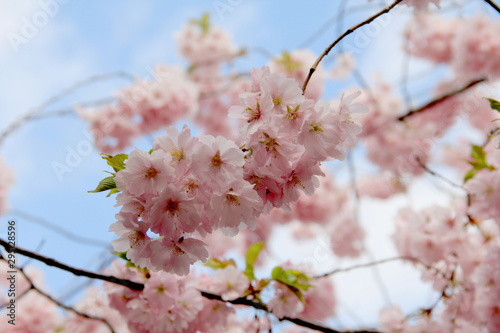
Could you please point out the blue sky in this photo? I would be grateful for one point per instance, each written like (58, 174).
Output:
(85, 38)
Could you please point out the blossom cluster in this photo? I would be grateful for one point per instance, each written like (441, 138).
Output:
(146, 106)
(170, 303)
(461, 261)
(472, 49)
(189, 185)
(327, 212)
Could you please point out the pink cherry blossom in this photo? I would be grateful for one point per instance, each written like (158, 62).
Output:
(145, 173)
(285, 303)
(296, 65)
(176, 256)
(230, 283)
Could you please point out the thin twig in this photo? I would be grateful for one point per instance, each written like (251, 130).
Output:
(440, 99)
(321, 30)
(374, 263)
(56, 228)
(435, 174)
(348, 32)
(32, 113)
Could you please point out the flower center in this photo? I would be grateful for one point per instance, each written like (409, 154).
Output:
(216, 160)
(177, 251)
(270, 144)
(232, 199)
(177, 154)
(150, 173)
(171, 207)
(315, 128)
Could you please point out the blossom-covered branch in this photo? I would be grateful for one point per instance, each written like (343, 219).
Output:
(139, 287)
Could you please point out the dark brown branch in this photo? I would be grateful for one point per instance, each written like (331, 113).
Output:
(346, 33)
(53, 300)
(440, 100)
(75, 271)
(494, 5)
(296, 321)
(140, 286)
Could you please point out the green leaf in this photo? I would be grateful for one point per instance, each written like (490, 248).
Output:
(203, 23)
(113, 191)
(215, 263)
(123, 255)
(479, 162)
(478, 153)
(287, 62)
(495, 105)
(117, 162)
(107, 183)
(294, 280)
(470, 175)
(251, 256)
(291, 278)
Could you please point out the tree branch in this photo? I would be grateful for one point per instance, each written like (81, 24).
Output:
(494, 5)
(140, 286)
(348, 32)
(75, 271)
(297, 321)
(68, 308)
(440, 99)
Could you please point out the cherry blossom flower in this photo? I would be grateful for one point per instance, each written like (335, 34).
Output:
(230, 283)
(145, 173)
(176, 256)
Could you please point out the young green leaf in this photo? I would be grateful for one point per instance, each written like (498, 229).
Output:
(117, 162)
(107, 183)
(291, 278)
(495, 105)
(215, 263)
(479, 162)
(251, 256)
(294, 280)
(123, 255)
